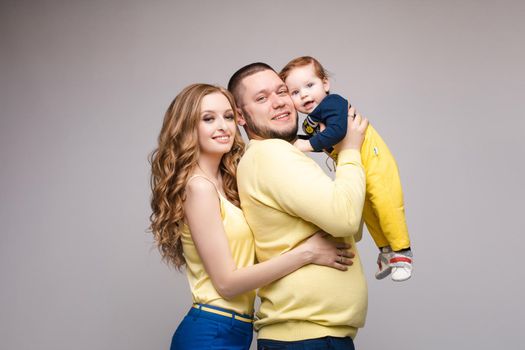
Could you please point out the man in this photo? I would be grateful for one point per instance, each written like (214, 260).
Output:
(286, 197)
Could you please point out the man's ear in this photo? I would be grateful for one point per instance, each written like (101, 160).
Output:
(240, 118)
(326, 85)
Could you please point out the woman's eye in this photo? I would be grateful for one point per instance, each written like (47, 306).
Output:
(229, 117)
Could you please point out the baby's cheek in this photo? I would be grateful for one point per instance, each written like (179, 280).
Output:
(298, 106)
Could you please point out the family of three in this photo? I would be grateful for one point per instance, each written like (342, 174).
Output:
(266, 217)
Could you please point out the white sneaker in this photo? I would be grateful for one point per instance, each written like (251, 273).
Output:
(383, 266)
(401, 264)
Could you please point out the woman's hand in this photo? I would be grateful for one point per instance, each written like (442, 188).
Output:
(355, 132)
(322, 250)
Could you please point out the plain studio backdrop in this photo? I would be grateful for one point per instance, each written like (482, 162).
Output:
(84, 88)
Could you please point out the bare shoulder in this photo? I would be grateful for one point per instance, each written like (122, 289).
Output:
(200, 187)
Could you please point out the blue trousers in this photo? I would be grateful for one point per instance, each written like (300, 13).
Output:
(205, 330)
(328, 343)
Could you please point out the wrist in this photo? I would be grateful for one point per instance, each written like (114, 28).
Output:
(303, 145)
(305, 254)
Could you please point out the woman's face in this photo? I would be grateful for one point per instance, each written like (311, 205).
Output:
(217, 127)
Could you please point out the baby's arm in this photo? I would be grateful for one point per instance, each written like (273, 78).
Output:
(303, 145)
(333, 113)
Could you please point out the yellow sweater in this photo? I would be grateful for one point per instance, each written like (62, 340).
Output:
(286, 197)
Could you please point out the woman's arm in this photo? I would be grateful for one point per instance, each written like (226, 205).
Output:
(202, 208)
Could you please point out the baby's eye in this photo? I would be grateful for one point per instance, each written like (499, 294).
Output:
(310, 85)
(295, 92)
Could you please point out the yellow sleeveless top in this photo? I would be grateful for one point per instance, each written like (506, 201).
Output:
(242, 247)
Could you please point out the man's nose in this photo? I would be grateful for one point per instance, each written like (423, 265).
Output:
(278, 101)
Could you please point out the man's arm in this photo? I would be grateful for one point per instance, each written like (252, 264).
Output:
(299, 187)
(295, 184)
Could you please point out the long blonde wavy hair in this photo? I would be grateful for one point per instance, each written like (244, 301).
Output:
(175, 159)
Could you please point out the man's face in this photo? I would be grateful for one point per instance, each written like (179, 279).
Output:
(267, 111)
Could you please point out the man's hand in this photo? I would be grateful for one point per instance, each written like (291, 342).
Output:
(355, 132)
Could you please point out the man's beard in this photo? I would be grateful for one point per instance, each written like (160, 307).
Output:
(267, 133)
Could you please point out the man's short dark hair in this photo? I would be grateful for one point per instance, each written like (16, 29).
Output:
(237, 77)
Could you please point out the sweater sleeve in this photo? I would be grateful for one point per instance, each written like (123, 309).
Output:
(299, 187)
(333, 113)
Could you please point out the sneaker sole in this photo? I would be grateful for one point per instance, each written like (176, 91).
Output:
(401, 279)
(384, 273)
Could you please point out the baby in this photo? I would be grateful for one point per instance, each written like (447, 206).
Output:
(383, 210)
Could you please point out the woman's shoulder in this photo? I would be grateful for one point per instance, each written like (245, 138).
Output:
(202, 196)
(200, 185)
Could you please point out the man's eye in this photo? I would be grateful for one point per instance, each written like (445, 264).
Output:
(260, 99)
(282, 92)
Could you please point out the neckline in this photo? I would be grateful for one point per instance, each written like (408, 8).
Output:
(227, 200)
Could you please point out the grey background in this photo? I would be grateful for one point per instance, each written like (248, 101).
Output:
(84, 85)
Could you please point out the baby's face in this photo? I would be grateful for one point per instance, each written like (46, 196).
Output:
(306, 88)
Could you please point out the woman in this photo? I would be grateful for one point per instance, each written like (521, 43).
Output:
(197, 222)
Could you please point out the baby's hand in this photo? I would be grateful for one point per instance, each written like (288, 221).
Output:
(303, 145)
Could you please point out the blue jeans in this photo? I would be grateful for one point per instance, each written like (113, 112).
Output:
(331, 343)
(205, 330)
